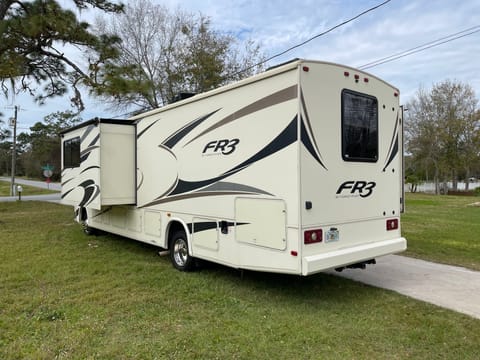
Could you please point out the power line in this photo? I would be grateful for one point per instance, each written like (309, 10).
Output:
(422, 47)
(314, 37)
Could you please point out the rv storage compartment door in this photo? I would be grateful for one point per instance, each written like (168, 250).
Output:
(261, 222)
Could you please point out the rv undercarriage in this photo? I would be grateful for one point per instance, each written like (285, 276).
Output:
(361, 265)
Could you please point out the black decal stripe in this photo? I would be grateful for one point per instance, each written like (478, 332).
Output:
(169, 189)
(393, 154)
(148, 127)
(394, 135)
(393, 144)
(141, 179)
(228, 186)
(68, 192)
(196, 195)
(180, 134)
(87, 131)
(307, 120)
(201, 226)
(208, 225)
(309, 146)
(219, 188)
(89, 149)
(284, 139)
(67, 181)
(91, 193)
(87, 183)
(270, 100)
(86, 153)
(88, 168)
(87, 195)
(169, 150)
(307, 137)
(94, 140)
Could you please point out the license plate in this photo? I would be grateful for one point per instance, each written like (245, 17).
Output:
(332, 235)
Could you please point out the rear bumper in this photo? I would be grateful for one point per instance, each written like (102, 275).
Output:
(320, 262)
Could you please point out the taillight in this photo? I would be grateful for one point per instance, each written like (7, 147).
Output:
(392, 224)
(312, 236)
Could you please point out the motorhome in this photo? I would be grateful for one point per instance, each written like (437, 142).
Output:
(295, 170)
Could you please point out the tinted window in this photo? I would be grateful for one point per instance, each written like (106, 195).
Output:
(359, 127)
(71, 152)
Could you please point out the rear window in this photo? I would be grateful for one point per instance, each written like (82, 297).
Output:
(71, 152)
(359, 127)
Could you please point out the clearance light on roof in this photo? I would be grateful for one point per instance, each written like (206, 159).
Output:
(312, 236)
(306, 68)
(346, 74)
(392, 224)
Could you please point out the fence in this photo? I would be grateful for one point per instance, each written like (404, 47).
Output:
(429, 187)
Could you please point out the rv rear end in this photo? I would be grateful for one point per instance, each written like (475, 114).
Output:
(351, 168)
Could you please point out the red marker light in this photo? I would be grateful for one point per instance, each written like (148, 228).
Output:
(312, 236)
(392, 224)
(306, 68)
(346, 74)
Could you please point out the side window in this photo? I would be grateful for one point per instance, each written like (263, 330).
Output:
(71, 153)
(359, 127)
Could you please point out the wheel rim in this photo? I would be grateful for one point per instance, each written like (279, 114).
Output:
(180, 252)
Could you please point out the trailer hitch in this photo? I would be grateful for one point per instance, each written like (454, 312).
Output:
(361, 265)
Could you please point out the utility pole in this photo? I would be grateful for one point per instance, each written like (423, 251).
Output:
(13, 123)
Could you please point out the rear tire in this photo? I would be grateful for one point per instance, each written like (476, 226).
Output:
(181, 259)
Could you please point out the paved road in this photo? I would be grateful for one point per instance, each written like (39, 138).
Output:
(447, 286)
(55, 197)
(39, 184)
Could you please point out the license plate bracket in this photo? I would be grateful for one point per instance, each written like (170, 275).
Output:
(332, 235)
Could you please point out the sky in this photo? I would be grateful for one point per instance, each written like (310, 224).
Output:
(277, 25)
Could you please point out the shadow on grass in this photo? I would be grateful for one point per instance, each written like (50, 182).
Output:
(313, 289)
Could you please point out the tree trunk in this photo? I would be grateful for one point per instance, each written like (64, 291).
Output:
(454, 180)
(436, 180)
(467, 179)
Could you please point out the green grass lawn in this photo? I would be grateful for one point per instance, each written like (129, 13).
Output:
(443, 229)
(27, 190)
(68, 296)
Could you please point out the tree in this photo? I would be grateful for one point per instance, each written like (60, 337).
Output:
(171, 52)
(4, 132)
(5, 148)
(42, 144)
(34, 44)
(442, 131)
